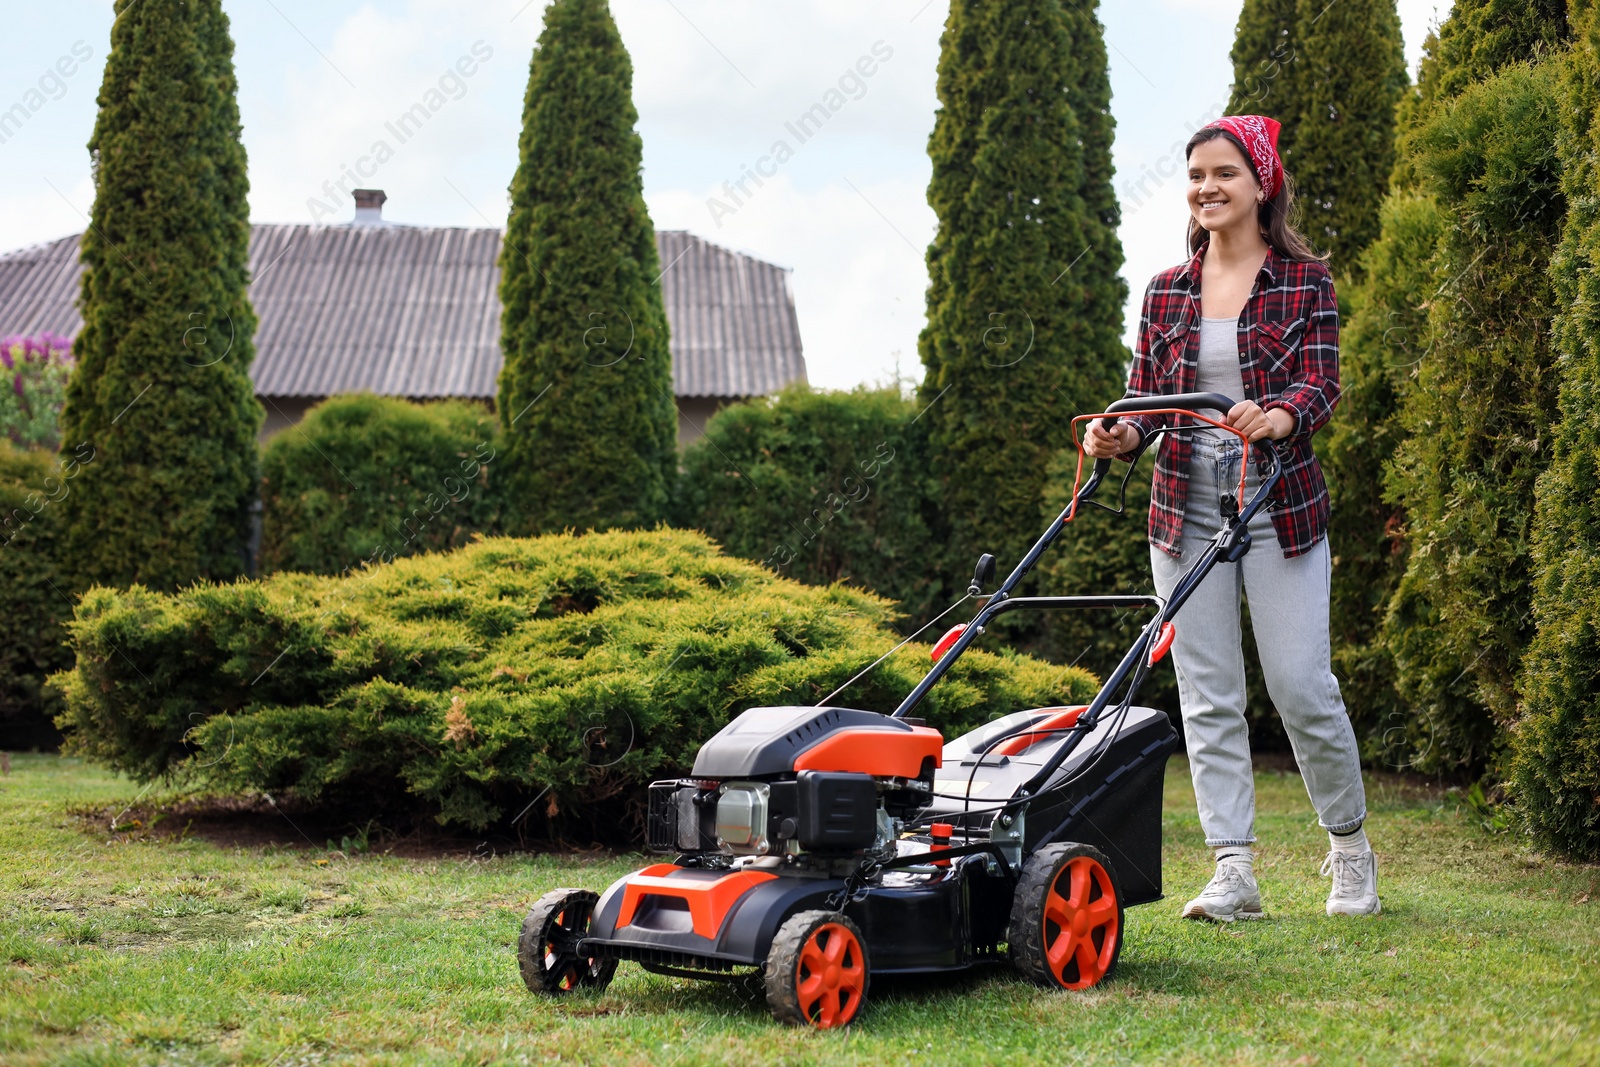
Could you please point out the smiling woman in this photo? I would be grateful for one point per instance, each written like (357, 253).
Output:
(1251, 315)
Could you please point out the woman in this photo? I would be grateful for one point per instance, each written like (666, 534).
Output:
(1251, 315)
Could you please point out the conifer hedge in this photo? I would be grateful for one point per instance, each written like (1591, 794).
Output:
(364, 478)
(585, 396)
(1555, 744)
(1415, 695)
(1025, 299)
(562, 670)
(822, 487)
(1476, 415)
(162, 392)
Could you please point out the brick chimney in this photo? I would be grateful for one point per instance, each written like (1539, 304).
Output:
(369, 207)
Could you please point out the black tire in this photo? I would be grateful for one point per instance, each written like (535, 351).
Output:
(799, 989)
(547, 951)
(1060, 895)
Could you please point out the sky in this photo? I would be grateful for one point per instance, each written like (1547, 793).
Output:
(715, 84)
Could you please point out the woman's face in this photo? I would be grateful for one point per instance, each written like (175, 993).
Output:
(1222, 187)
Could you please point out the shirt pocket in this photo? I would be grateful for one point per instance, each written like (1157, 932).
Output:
(1167, 345)
(1277, 343)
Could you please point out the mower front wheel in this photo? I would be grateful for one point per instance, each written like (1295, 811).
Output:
(547, 951)
(817, 971)
(1066, 919)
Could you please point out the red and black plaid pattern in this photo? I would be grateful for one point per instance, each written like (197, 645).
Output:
(1289, 358)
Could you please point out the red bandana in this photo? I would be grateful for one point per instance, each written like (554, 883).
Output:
(1259, 135)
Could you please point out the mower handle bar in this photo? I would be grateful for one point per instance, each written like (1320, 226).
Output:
(1135, 405)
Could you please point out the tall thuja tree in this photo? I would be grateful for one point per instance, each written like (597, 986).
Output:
(1025, 302)
(1477, 409)
(585, 395)
(1555, 743)
(1350, 72)
(1265, 67)
(160, 416)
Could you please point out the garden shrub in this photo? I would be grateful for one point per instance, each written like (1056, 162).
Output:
(555, 675)
(368, 478)
(33, 599)
(1476, 413)
(32, 388)
(1555, 742)
(822, 487)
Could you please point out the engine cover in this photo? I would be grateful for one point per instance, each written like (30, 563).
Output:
(765, 742)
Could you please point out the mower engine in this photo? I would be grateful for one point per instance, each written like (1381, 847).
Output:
(804, 787)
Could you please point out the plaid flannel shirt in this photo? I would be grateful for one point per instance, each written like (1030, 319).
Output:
(1288, 357)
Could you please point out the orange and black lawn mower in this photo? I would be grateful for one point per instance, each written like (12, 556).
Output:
(816, 847)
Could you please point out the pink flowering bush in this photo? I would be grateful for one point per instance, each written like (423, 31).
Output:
(36, 370)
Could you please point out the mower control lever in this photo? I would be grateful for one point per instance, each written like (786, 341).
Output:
(982, 574)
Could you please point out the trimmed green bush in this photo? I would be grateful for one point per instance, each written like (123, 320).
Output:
(1414, 696)
(585, 396)
(1555, 743)
(823, 487)
(1024, 298)
(34, 602)
(363, 479)
(1476, 413)
(162, 392)
(562, 670)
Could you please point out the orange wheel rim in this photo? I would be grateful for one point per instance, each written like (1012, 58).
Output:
(1080, 923)
(831, 976)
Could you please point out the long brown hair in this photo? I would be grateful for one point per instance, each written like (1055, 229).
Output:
(1275, 215)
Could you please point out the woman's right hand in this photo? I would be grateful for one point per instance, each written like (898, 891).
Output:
(1124, 437)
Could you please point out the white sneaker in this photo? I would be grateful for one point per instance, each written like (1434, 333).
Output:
(1231, 894)
(1355, 883)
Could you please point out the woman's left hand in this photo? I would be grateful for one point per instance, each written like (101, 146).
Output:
(1247, 417)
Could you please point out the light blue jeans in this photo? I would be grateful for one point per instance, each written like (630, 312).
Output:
(1289, 614)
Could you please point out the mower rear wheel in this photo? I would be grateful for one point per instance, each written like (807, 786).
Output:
(547, 951)
(817, 970)
(1066, 919)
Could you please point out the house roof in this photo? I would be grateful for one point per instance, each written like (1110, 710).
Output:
(415, 311)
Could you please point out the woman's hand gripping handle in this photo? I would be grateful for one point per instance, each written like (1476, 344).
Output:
(1109, 437)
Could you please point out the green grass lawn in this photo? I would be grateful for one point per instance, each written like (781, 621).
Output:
(130, 947)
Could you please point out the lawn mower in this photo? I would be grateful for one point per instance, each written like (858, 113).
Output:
(816, 847)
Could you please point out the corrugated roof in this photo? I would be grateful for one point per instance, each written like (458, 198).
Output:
(415, 311)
